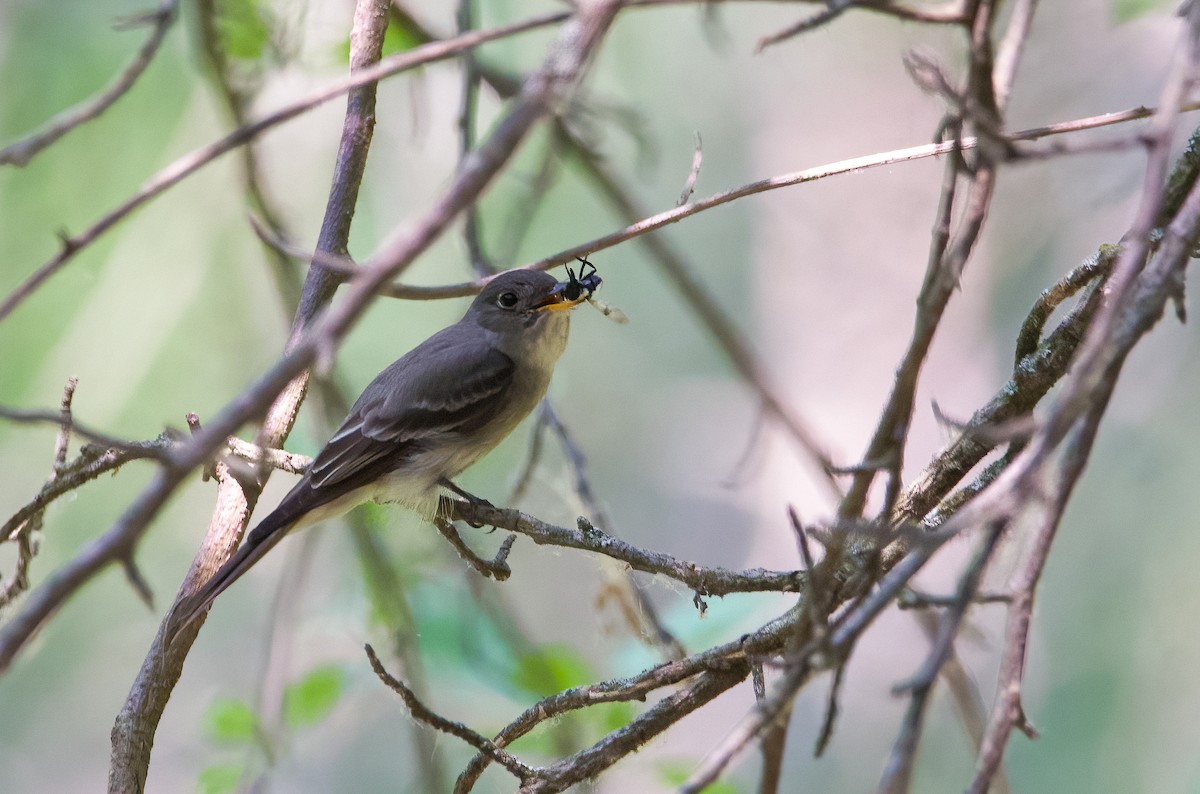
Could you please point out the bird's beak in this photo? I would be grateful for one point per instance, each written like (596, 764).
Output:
(557, 300)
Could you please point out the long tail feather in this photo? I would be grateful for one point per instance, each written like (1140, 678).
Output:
(264, 537)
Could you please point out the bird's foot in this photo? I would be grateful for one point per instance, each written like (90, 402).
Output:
(473, 500)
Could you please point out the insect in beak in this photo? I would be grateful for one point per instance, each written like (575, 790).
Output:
(577, 289)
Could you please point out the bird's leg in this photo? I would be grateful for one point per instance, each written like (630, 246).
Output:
(471, 498)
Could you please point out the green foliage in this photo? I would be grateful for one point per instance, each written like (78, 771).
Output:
(674, 773)
(1127, 10)
(401, 36)
(220, 779)
(608, 717)
(232, 721)
(310, 699)
(242, 27)
(551, 669)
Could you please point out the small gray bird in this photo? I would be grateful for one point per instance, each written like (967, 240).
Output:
(423, 420)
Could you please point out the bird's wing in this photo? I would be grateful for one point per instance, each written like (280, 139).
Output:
(452, 382)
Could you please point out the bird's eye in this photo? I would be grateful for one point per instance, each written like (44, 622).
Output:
(507, 300)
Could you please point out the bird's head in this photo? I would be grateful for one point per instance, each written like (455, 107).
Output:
(521, 298)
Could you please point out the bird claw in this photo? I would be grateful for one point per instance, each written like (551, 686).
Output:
(471, 499)
(477, 502)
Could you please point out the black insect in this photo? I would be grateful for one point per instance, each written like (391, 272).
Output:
(586, 280)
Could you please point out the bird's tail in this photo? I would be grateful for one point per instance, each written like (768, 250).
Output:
(258, 542)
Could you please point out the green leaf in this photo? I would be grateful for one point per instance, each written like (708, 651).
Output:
(307, 701)
(1127, 10)
(401, 35)
(231, 720)
(242, 28)
(551, 669)
(220, 779)
(400, 38)
(612, 716)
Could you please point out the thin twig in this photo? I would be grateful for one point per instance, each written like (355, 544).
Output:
(705, 307)
(1008, 53)
(647, 224)
(1137, 298)
(280, 459)
(767, 639)
(897, 775)
(423, 713)
(154, 450)
(945, 14)
(21, 152)
(618, 744)
(23, 530)
(852, 165)
(948, 257)
(967, 699)
(237, 101)
(913, 599)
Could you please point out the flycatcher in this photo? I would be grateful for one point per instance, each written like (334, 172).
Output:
(427, 417)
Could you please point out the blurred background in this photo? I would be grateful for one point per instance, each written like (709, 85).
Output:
(176, 310)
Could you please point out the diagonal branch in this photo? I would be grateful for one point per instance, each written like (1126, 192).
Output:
(194, 161)
(136, 724)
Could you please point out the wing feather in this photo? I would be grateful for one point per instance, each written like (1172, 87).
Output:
(451, 383)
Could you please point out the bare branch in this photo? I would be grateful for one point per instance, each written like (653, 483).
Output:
(897, 775)
(1141, 287)
(705, 581)
(708, 310)
(1008, 54)
(562, 69)
(946, 13)
(64, 419)
(496, 568)
(855, 164)
(618, 744)
(190, 163)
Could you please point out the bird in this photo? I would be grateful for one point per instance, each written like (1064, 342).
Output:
(426, 418)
